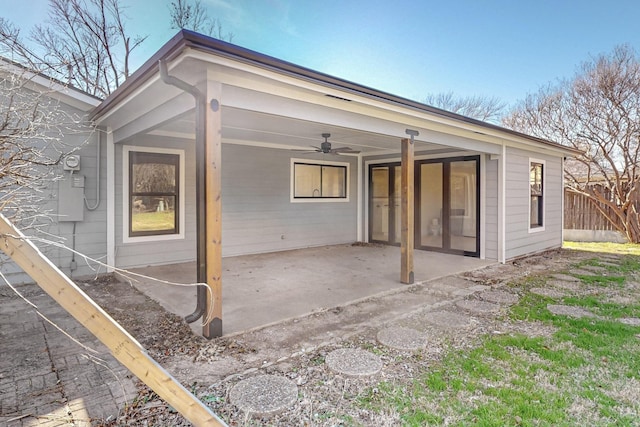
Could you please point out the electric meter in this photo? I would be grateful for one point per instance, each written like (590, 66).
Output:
(71, 163)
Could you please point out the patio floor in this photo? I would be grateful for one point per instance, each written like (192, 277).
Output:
(263, 289)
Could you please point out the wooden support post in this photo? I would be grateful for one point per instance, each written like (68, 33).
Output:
(213, 191)
(407, 202)
(123, 346)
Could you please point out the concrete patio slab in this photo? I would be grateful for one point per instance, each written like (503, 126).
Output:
(262, 289)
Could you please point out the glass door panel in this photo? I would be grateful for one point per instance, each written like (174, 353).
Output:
(397, 205)
(446, 204)
(463, 206)
(379, 204)
(431, 185)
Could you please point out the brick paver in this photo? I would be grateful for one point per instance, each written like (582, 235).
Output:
(46, 379)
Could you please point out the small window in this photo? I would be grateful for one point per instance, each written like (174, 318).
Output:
(319, 181)
(153, 193)
(536, 184)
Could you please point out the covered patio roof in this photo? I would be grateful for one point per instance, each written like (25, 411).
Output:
(273, 102)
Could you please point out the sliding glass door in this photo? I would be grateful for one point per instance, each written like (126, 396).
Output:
(447, 209)
(447, 205)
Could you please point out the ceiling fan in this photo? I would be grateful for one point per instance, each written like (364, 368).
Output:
(325, 147)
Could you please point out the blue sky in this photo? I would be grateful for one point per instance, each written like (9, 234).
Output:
(501, 48)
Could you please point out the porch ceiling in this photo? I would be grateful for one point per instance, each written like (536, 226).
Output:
(250, 127)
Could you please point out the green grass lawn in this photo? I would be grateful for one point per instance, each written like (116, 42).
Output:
(604, 247)
(586, 371)
(153, 221)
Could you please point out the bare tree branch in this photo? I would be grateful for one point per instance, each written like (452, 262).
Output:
(83, 43)
(598, 112)
(193, 16)
(33, 126)
(477, 107)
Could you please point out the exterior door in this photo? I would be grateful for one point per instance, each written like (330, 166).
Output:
(384, 204)
(447, 205)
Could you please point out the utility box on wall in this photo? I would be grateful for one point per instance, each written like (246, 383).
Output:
(71, 198)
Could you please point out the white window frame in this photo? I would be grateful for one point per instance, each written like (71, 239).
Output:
(126, 197)
(292, 185)
(544, 195)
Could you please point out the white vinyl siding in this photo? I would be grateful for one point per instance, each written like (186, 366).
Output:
(520, 240)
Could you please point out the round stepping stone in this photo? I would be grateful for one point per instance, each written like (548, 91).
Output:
(582, 272)
(499, 297)
(594, 268)
(548, 292)
(569, 310)
(609, 264)
(264, 395)
(631, 321)
(621, 299)
(448, 319)
(571, 286)
(402, 338)
(565, 277)
(353, 362)
(477, 306)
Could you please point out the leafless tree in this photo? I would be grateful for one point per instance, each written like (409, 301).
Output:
(193, 16)
(477, 107)
(33, 126)
(598, 112)
(83, 43)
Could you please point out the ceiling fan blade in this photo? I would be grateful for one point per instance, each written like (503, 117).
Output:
(308, 151)
(345, 150)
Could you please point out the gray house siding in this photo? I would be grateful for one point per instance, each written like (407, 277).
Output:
(257, 213)
(520, 240)
(90, 235)
(490, 232)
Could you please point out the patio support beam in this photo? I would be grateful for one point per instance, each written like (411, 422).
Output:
(407, 209)
(206, 111)
(213, 200)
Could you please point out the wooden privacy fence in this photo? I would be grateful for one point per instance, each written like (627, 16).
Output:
(581, 213)
(122, 345)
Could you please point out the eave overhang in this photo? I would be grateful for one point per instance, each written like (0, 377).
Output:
(186, 40)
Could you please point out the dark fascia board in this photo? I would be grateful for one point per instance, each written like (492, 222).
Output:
(189, 39)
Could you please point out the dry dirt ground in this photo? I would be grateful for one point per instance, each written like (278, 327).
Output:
(297, 349)
(447, 311)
